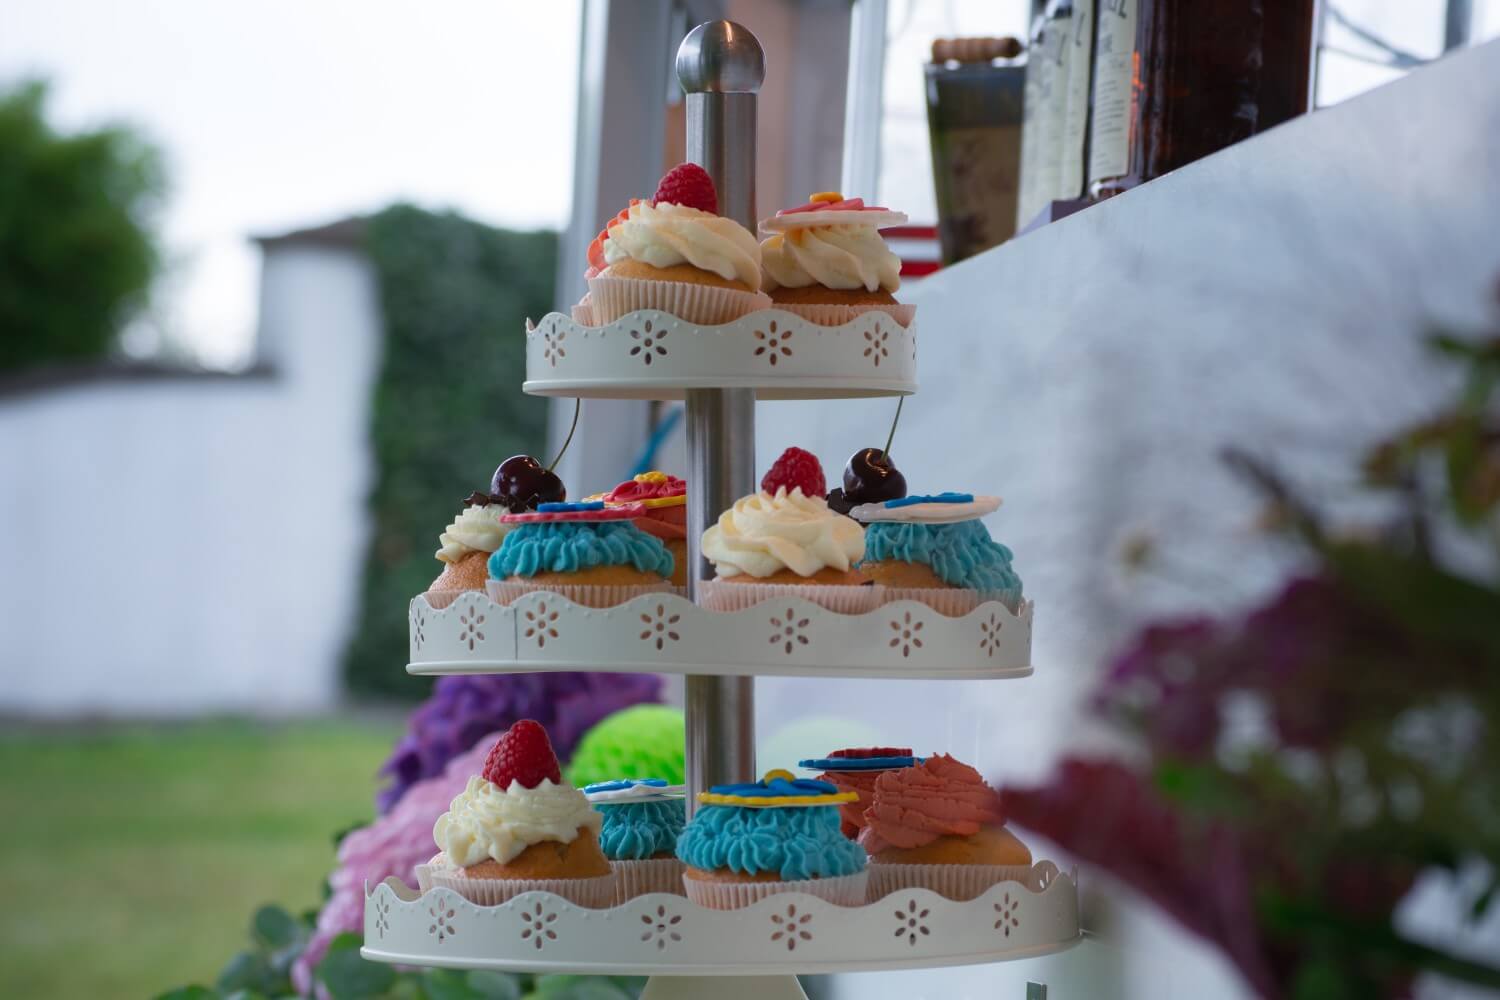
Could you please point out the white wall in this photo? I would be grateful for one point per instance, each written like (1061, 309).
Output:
(177, 545)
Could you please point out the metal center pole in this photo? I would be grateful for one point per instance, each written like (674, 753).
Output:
(720, 65)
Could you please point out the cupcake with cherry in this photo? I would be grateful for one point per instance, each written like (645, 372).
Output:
(780, 834)
(854, 771)
(589, 553)
(937, 825)
(827, 262)
(662, 502)
(674, 252)
(642, 820)
(519, 827)
(785, 541)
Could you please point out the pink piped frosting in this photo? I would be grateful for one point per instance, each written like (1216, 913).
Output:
(916, 805)
(651, 486)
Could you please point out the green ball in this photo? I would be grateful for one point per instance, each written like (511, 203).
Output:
(644, 741)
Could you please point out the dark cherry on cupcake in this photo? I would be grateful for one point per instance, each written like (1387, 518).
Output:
(869, 477)
(521, 483)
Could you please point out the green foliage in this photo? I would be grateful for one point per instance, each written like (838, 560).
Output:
(448, 406)
(77, 253)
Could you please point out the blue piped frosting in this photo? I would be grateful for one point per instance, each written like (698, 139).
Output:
(570, 546)
(635, 831)
(795, 843)
(912, 501)
(962, 554)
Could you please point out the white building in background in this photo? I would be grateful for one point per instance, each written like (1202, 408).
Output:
(173, 542)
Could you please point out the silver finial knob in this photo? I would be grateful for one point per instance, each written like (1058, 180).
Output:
(720, 57)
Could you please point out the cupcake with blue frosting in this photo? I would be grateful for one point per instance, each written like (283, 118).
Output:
(642, 820)
(589, 553)
(935, 549)
(779, 834)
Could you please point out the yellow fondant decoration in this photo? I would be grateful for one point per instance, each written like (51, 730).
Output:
(710, 799)
(781, 773)
(651, 477)
(826, 196)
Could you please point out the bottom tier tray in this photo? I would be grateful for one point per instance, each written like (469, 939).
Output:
(661, 935)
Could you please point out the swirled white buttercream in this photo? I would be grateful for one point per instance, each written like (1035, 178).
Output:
(477, 529)
(764, 534)
(668, 235)
(842, 256)
(486, 822)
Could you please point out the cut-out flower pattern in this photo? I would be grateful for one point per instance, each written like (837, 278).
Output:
(773, 343)
(792, 927)
(661, 927)
(1008, 918)
(442, 922)
(906, 634)
(541, 624)
(419, 628)
(876, 344)
(537, 926)
(911, 923)
(990, 635)
(648, 343)
(658, 627)
(382, 916)
(787, 631)
(552, 348)
(469, 623)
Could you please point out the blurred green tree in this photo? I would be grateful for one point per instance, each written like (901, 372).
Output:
(77, 245)
(448, 407)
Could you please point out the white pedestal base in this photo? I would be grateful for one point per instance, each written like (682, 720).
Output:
(723, 988)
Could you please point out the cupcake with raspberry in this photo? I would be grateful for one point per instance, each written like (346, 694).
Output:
(662, 500)
(674, 252)
(935, 549)
(780, 834)
(937, 825)
(642, 820)
(590, 554)
(826, 260)
(518, 827)
(785, 541)
(854, 771)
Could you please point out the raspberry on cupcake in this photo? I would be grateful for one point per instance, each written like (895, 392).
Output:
(642, 820)
(588, 553)
(827, 262)
(674, 252)
(518, 827)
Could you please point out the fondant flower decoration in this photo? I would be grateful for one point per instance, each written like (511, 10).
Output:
(633, 790)
(829, 208)
(587, 510)
(836, 765)
(940, 508)
(650, 489)
(777, 789)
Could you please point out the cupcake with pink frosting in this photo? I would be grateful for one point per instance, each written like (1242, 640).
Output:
(674, 252)
(855, 771)
(939, 826)
(827, 262)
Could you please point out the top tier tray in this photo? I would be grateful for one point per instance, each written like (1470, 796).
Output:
(654, 355)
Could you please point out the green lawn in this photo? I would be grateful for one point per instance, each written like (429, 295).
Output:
(131, 858)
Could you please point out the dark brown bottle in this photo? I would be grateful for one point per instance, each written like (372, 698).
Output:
(1203, 74)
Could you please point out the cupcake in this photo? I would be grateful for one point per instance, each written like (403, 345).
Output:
(590, 554)
(855, 771)
(642, 819)
(780, 834)
(674, 252)
(786, 541)
(937, 825)
(663, 500)
(826, 261)
(518, 827)
(935, 549)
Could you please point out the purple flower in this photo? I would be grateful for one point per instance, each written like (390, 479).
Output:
(462, 709)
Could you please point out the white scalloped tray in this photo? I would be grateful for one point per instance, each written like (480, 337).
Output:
(654, 355)
(664, 633)
(661, 934)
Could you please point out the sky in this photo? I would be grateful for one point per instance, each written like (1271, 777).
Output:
(285, 113)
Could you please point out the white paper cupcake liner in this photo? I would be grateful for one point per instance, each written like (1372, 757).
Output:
(595, 893)
(442, 598)
(718, 595)
(588, 595)
(638, 878)
(956, 882)
(704, 304)
(838, 315)
(843, 890)
(951, 601)
(583, 312)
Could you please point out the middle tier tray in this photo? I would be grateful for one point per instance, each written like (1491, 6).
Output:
(665, 633)
(654, 355)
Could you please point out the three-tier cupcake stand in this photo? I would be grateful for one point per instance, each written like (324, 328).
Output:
(687, 950)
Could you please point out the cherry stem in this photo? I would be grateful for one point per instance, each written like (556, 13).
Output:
(892, 436)
(577, 405)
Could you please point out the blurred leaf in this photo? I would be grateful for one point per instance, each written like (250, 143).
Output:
(274, 927)
(495, 985)
(348, 976)
(193, 992)
(246, 971)
(566, 987)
